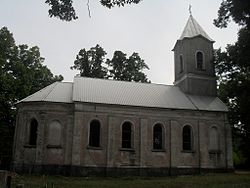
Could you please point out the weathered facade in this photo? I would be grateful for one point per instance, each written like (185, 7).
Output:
(104, 127)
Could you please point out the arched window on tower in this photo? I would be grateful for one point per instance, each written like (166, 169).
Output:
(199, 60)
(94, 133)
(33, 132)
(127, 135)
(187, 138)
(181, 64)
(157, 137)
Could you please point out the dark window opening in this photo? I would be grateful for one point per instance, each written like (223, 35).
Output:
(187, 138)
(126, 135)
(181, 64)
(199, 60)
(157, 137)
(33, 132)
(94, 134)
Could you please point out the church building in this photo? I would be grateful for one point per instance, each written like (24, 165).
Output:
(106, 127)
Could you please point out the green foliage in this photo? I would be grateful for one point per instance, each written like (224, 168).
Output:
(237, 10)
(64, 10)
(233, 70)
(238, 158)
(21, 74)
(119, 3)
(92, 63)
(127, 69)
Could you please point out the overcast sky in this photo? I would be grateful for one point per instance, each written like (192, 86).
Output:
(150, 28)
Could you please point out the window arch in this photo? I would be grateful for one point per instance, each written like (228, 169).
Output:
(181, 64)
(127, 135)
(33, 132)
(187, 138)
(158, 136)
(55, 133)
(94, 133)
(213, 139)
(199, 60)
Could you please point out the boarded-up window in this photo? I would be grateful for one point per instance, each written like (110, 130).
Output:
(157, 137)
(199, 60)
(33, 132)
(187, 138)
(127, 135)
(213, 139)
(94, 133)
(55, 133)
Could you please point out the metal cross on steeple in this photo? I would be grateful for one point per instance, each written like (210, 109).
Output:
(190, 9)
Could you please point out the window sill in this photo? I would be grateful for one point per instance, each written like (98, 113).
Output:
(54, 146)
(29, 146)
(158, 150)
(127, 149)
(187, 151)
(94, 148)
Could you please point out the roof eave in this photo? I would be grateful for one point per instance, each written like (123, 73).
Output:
(186, 38)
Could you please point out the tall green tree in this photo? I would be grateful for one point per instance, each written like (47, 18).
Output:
(64, 9)
(93, 63)
(127, 69)
(90, 63)
(22, 73)
(233, 70)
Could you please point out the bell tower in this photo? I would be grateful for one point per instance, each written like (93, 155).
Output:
(193, 60)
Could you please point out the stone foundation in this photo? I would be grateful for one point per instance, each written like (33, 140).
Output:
(68, 170)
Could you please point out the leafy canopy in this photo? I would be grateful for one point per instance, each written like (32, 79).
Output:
(92, 63)
(64, 9)
(233, 70)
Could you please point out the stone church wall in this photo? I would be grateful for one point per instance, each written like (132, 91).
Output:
(74, 156)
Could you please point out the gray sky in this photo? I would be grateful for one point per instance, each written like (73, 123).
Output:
(150, 28)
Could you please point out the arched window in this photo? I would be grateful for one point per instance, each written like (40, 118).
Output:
(55, 133)
(199, 60)
(33, 132)
(181, 64)
(127, 135)
(94, 133)
(213, 139)
(187, 138)
(157, 137)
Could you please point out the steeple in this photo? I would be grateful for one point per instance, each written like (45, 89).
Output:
(193, 29)
(194, 68)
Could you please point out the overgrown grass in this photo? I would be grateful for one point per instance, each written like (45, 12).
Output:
(201, 181)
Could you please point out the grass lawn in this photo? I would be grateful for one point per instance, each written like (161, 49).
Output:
(241, 180)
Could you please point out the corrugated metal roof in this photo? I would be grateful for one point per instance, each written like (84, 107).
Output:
(208, 103)
(140, 94)
(56, 92)
(193, 29)
(92, 90)
(129, 93)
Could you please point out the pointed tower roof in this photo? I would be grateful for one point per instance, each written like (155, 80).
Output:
(193, 29)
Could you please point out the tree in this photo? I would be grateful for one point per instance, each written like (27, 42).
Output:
(90, 63)
(21, 74)
(127, 69)
(233, 70)
(237, 10)
(64, 10)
